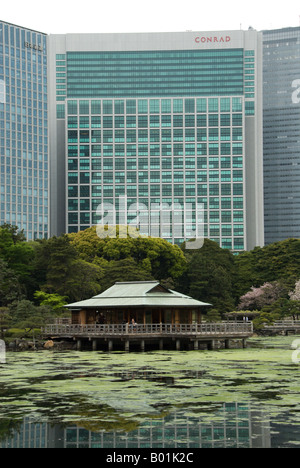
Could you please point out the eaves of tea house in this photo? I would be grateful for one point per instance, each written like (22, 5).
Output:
(144, 301)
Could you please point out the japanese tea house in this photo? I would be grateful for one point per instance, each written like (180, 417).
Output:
(147, 302)
(144, 312)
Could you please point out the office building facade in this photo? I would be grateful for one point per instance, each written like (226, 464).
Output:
(24, 130)
(145, 121)
(281, 118)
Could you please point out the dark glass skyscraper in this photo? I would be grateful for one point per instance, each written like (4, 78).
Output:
(281, 109)
(24, 130)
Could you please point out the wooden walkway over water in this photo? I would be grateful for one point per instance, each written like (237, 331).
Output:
(284, 326)
(192, 335)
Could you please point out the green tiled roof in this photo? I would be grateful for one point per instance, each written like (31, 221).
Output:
(138, 294)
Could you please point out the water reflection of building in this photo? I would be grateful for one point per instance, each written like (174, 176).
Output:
(234, 425)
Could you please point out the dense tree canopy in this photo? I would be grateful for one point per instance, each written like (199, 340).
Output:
(41, 276)
(154, 255)
(274, 262)
(209, 276)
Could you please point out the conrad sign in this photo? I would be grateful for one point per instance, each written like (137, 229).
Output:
(212, 39)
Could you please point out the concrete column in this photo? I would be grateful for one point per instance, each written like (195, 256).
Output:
(196, 345)
(127, 345)
(211, 345)
(110, 345)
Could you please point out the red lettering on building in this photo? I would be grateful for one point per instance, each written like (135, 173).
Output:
(208, 39)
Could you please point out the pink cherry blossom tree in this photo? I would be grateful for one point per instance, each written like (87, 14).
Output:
(257, 298)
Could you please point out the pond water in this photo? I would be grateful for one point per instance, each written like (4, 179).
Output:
(162, 399)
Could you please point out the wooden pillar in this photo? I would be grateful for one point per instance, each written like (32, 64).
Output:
(177, 345)
(127, 346)
(227, 344)
(110, 345)
(82, 317)
(142, 345)
(196, 345)
(94, 345)
(244, 342)
(78, 345)
(161, 344)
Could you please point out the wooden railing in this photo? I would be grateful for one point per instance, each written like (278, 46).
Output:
(224, 328)
(282, 324)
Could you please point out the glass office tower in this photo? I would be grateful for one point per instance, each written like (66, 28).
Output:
(24, 130)
(145, 122)
(281, 112)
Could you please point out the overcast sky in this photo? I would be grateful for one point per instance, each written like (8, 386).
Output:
(83, 16)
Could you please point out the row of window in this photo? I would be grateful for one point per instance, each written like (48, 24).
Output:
(154, 164)
(163, 54)
(226, 230)
(189, 149)
(156, 190)
(154, 176)
(109, 164)
(154, 106)
(226, 204)
(154, 121)
(155, 135)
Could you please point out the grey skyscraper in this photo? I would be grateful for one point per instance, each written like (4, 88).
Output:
(281, 104)
(24, 130)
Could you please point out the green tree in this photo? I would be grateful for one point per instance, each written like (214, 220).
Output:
(5, 320)
(54, 301)
(209, 276)
(17, 253)
(157, 256)
(83, 280)
(58, 269)
(26, 315)
(213, 315)
(10, 287)
(274, 262)
(123, 270)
